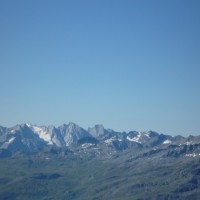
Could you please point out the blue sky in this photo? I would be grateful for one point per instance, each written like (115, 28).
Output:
(130, 65)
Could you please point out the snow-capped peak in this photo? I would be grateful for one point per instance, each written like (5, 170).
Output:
(136, 137)
(42, 134)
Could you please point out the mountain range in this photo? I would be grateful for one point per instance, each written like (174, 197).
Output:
(27, 138)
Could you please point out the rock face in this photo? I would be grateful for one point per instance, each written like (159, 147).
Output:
(71, 133)
(21, 138)
(32, 138)
(98, 130)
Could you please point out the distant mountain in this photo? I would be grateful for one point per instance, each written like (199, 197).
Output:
(99, 130)
(71, 133)
(21, 138)
(30, 138)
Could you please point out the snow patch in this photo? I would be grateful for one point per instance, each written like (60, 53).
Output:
(86, 145)
(134, 139)
(147, 135)
(11, 140)
(42, 134)
(27, 124)
(110, 140)
(12, 131)
(191, 155)
(188, 143)
(167, 142)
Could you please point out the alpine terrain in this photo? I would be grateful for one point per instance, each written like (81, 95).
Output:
(69, 162)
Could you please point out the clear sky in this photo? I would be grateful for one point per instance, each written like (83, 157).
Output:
(126, 64)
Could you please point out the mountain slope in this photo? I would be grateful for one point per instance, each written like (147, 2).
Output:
(54, 176)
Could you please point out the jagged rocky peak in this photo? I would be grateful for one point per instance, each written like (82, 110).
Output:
(97, 130)
(20, 129)
(70, 126)
(152, 133)
(28, 138)
(149, 138)
(72, 133)
(73, 127)
(22, 138)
